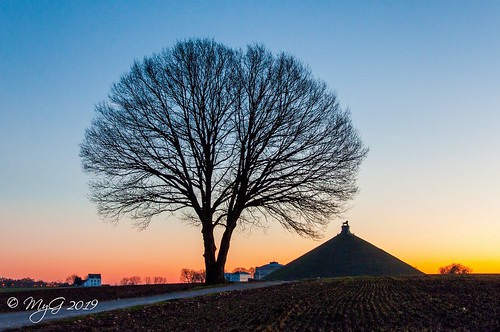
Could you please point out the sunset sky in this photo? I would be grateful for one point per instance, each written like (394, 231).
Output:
(421, 78)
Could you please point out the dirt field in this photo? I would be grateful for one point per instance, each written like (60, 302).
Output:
(428, 303)
(90, 293)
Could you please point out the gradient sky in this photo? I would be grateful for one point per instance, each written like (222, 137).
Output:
(422, 79)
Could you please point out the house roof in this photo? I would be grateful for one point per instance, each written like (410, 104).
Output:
(94, 276)
(240, 273)
(272, 265)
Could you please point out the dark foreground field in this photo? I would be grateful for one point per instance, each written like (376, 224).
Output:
(428, 303)
(85, 294)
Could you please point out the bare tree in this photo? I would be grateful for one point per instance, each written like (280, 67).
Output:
(159, 280)
(455, 268)
(78, 281)
(71, 279)
(185, 275)
(199, 276)
(147, 280)
(134, 280)
(192, 276)
(226, 137)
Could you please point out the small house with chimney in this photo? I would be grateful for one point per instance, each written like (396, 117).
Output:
(93, 280)
(239, 276)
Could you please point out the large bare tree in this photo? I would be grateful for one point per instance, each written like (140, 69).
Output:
(225, 137)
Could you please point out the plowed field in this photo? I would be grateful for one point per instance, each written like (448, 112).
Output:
(428, 303)
(103, 293)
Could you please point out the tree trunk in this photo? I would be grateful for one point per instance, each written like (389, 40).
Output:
(224, 246)
(214, 269)
(214, 273)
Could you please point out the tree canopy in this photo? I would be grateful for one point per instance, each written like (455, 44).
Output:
(225, 137)
(455, 268)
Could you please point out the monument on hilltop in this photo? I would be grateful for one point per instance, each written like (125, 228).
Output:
(344, 255)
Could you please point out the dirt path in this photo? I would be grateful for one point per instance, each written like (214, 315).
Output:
(55, 312)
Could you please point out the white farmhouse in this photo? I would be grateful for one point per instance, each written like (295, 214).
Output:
(93, 280)
(237, 276)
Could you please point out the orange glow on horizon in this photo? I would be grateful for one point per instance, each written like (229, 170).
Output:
(113, 274)
(159, 259)
(166, 246)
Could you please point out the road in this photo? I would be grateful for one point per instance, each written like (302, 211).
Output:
(25, 318)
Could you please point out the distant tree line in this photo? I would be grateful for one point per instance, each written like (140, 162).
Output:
(192, 276)
(195, 276)
(155, 280)
(73, 280)
(28, 283)
(136, 280)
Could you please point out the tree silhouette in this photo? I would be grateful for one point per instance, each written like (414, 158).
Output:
(78, 281)
(455, 268)
(243, 269)
(159, 280)
(225, 137)
(71, 279)
(192, 276)
(134, 280)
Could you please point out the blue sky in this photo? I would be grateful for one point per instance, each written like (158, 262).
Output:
(422, 79)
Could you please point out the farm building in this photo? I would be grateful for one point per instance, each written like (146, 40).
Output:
(343, 255)
(262, 271)
(93, 280)
(237, 276)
